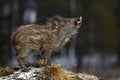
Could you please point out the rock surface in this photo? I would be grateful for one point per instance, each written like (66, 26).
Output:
(53, 72)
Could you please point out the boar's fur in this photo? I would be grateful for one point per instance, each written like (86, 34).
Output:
(43, 38)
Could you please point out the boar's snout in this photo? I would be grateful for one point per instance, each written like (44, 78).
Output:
(78, 21)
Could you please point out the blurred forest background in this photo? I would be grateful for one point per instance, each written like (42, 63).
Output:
(95, 49)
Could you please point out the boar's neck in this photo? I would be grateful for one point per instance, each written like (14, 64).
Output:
(64, 36)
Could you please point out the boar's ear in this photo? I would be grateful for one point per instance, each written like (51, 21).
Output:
(56, 21)
(56, 24)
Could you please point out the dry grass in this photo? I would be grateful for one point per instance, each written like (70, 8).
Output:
(55, 72)
(6, 71)
(52, 72)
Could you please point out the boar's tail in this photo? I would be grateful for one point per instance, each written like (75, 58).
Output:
(13, 41)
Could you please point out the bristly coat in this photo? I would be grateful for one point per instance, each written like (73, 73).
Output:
(43, 38)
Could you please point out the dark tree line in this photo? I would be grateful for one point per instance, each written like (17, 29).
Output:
(99, 31)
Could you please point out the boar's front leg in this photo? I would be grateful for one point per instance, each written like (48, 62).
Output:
(46, 55)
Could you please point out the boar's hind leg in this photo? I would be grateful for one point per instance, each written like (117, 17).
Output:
(21, 56)
(46, 55)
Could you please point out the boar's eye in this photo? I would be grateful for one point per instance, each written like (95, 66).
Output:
(75, 22)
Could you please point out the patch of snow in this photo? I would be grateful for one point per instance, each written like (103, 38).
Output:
(23, 75)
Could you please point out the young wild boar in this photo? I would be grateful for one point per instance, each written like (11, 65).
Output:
(43, 38)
